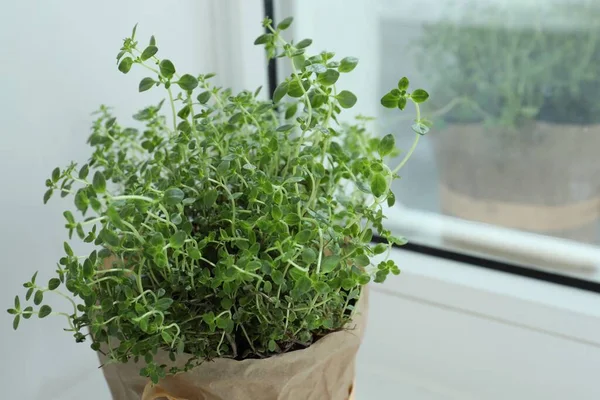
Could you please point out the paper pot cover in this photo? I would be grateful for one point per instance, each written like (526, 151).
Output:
(323, 371)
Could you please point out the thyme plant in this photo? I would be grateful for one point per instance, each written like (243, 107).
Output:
(242, 229)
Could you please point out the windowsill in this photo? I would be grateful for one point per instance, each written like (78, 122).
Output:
(566, 312)
(542, 252)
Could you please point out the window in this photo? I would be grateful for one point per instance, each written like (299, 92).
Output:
(509, 171)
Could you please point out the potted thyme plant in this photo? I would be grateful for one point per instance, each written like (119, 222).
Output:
(233, 245)
(518, 150)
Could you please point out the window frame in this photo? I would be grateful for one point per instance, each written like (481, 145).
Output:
(534, 256)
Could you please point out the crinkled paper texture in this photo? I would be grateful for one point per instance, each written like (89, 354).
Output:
(323, 371)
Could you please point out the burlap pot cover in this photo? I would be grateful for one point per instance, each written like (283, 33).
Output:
(323, 371)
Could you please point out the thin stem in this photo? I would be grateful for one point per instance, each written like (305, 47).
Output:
(92, 221)
(133, 197)
(412, 149)
(248, 273)
(173, 109)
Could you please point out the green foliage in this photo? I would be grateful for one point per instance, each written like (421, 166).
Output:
(228, 231)
(518, 64)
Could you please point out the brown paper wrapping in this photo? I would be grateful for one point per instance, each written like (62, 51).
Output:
(323, 371)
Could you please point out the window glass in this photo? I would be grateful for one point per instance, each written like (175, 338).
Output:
(515, 106)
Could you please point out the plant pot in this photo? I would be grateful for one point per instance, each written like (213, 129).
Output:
(323, 371)
(543, 179)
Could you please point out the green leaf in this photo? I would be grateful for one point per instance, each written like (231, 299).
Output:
(267, 287)
(328, 77)
(363, 187)
(291, 219)
(38, 298)
(283, 25)
(163, 304)
(188, 82)
(277, 277)
(391, 199)
(152, 41)
(88, 269)
(317, 68)
(29, 293)
(280, 91)
(303, 43)
(322, 288)
(378, 185)
(276, 212)
(184, 112)
(390, 100)
(146, 84)
(346, 99)
(419, 96)
(223, 167)
(263, 108)
(125, 65)
(47, 195)
(55, 174)
(180, 347)
(402, 103)
(397, 240)
(296, 90)
(420, 128)
(149, 52)
(84, 171)
(68, 249)
(167, 69)
(386, 145)
(303, 236)
(95, 203)
(17, 303)
(347, 64)
(69, 217)
(210, 197)
(226, 303)
(329, 263)
(403, 84)
(204, 97)
(348, 283)
(99, 182)
(362, 260)
(264, 38)
(166, 337)
(285, 128)
(45, 310)
(291, 110)
(380, 248)
(53, 283)
(177, 239)
(309, 256)
(272, 345)
(144, 324)
(303, 284)
(194, 254)
(109, 237)
(173, 196)
(16, 321)
(299, 62)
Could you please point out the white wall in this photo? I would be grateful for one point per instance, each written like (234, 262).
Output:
(58, 65)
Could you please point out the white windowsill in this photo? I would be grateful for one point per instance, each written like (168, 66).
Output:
(548, 253)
